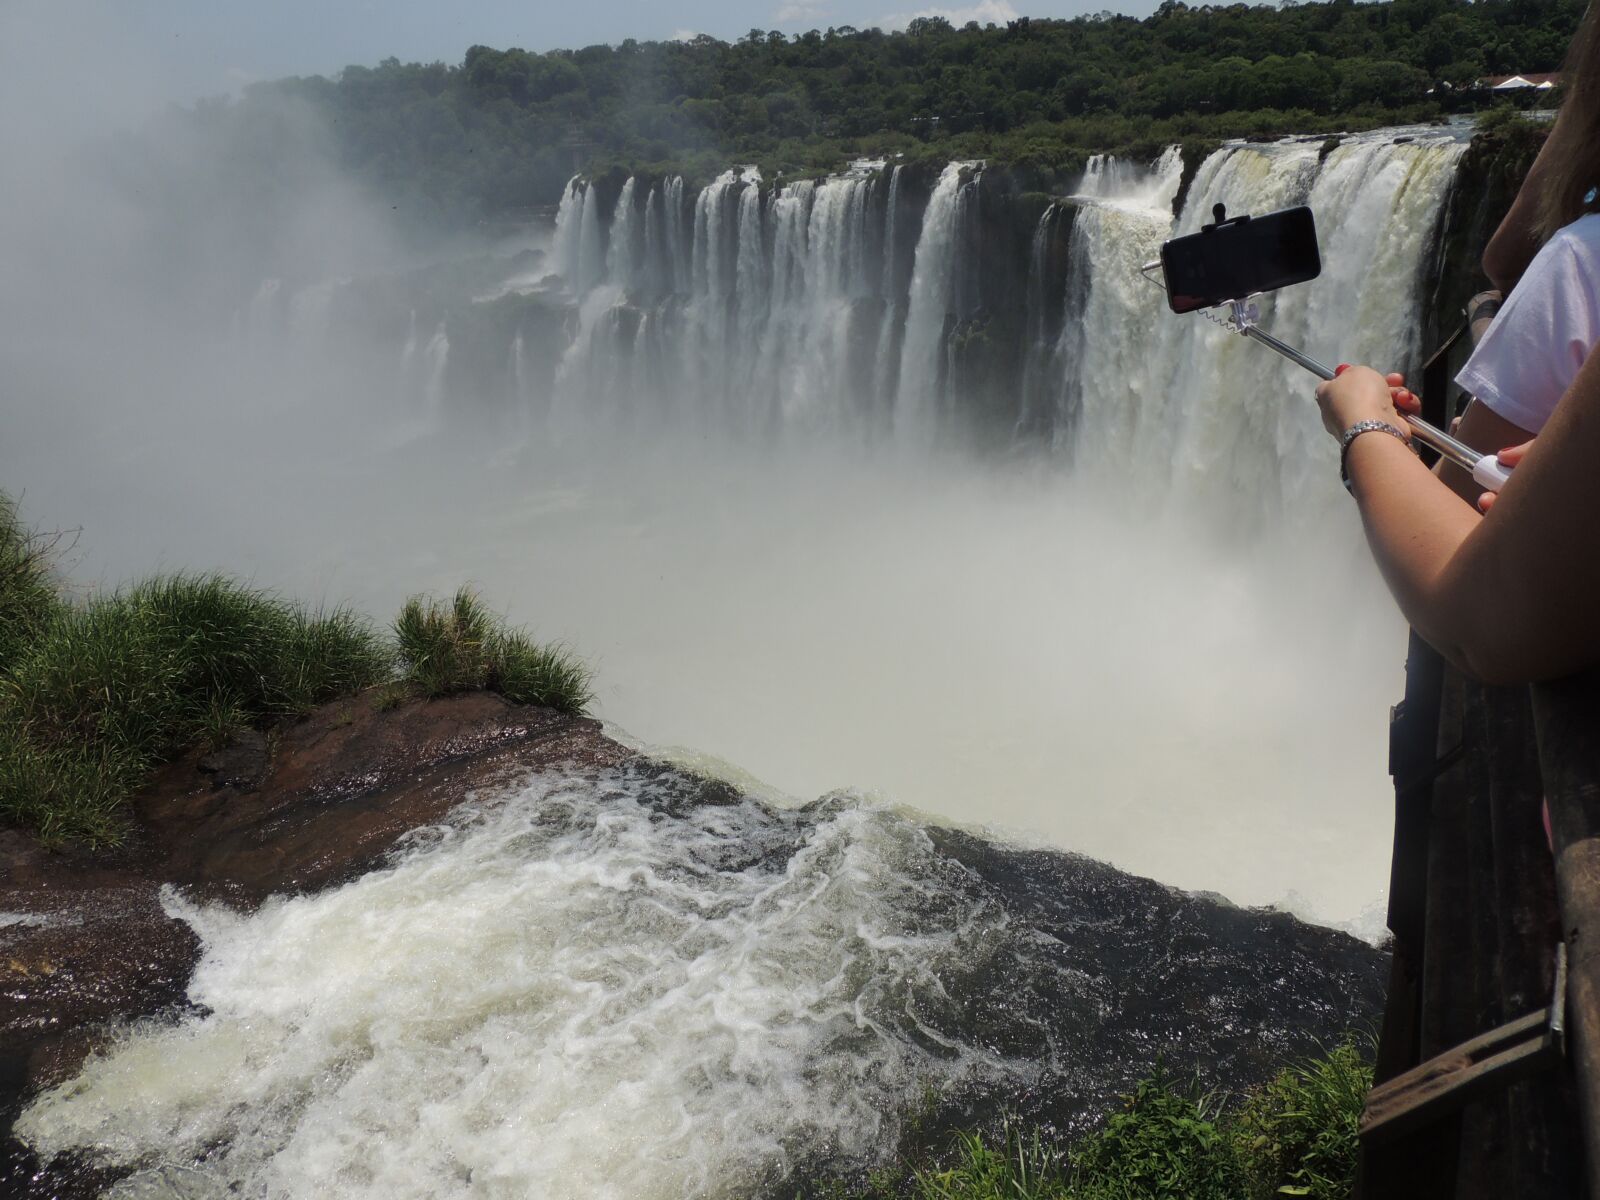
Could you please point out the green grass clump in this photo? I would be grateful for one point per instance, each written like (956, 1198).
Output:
(1163, 1145)
(443, 647)
(107, 691)
(461, 644)
(1295, 1136)
(94, 696)
(1024, 1167)
(28, 599)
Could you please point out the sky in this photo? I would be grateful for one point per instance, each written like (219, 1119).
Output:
(193, 48)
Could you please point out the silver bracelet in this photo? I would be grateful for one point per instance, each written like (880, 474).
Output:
(1355, 431)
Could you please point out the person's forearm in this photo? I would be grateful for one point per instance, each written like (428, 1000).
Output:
(1415, 526)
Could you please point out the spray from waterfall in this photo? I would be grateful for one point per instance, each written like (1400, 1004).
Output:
(857, 454)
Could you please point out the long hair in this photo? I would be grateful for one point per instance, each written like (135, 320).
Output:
(1575, 171)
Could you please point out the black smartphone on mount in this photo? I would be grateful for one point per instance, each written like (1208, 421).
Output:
(1239, 257)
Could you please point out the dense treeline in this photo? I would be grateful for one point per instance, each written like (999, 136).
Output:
(507, 127)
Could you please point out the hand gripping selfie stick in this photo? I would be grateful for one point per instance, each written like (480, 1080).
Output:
(1486, 469)
(1246, 256)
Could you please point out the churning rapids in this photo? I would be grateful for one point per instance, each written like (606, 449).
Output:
(906, 484)
(635, 984)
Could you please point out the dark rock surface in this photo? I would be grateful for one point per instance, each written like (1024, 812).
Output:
(312, 806)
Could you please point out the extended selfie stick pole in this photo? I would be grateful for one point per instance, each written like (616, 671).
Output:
(1485, 469)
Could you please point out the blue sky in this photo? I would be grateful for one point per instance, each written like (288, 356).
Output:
(199, 47)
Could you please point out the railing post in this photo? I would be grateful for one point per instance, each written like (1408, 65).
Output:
(1567, 721)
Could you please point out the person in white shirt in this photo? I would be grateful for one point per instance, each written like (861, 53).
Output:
(1545, 256)
(1511, 595)
(1530, 354)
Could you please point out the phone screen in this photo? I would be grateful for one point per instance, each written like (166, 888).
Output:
(1240, 258)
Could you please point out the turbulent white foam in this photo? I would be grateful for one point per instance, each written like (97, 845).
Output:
(1130, 184)
(574, 994)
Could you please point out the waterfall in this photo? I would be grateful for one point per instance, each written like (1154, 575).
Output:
(1043, 368)
(564, 245)
(579, 247)
(1184, 409)
(622, 259)
(607, 982)
(590, 266)
(675, 214)
(883, 303)
(933, 287)
(751, 287)
(1125, 181)
(886, 358)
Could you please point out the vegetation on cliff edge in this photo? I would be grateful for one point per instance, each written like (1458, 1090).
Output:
(95, 695)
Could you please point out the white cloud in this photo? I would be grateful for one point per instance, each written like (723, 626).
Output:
(800, 10)
(685, 35)
(984, 12)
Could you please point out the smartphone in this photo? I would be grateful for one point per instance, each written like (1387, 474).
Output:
(1240, 257)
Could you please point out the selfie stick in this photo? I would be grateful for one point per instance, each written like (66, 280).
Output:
(1485, 469)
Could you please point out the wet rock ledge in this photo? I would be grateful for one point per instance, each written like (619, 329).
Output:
(83, 938)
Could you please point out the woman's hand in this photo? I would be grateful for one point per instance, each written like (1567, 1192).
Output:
(1361, 394)
(1509, 457)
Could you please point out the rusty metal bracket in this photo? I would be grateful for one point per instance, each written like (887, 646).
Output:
(1449, 1081)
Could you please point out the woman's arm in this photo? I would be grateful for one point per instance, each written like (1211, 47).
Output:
(1509, 597)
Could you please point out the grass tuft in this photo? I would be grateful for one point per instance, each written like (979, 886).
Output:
(1297, 1135)
(95, 696)
(109, 690)
(445, 647)
(1023, 1167)
(453, 646)
(28, 599)
(1163, 1145)
(527, 673)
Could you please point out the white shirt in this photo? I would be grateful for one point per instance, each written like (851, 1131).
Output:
(1534, 346)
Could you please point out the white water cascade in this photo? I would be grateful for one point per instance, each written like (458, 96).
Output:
(1002, 473)
(1188, 411)
(934, 276)
(834, 305)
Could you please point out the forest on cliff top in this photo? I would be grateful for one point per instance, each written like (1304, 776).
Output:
(502, 131)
